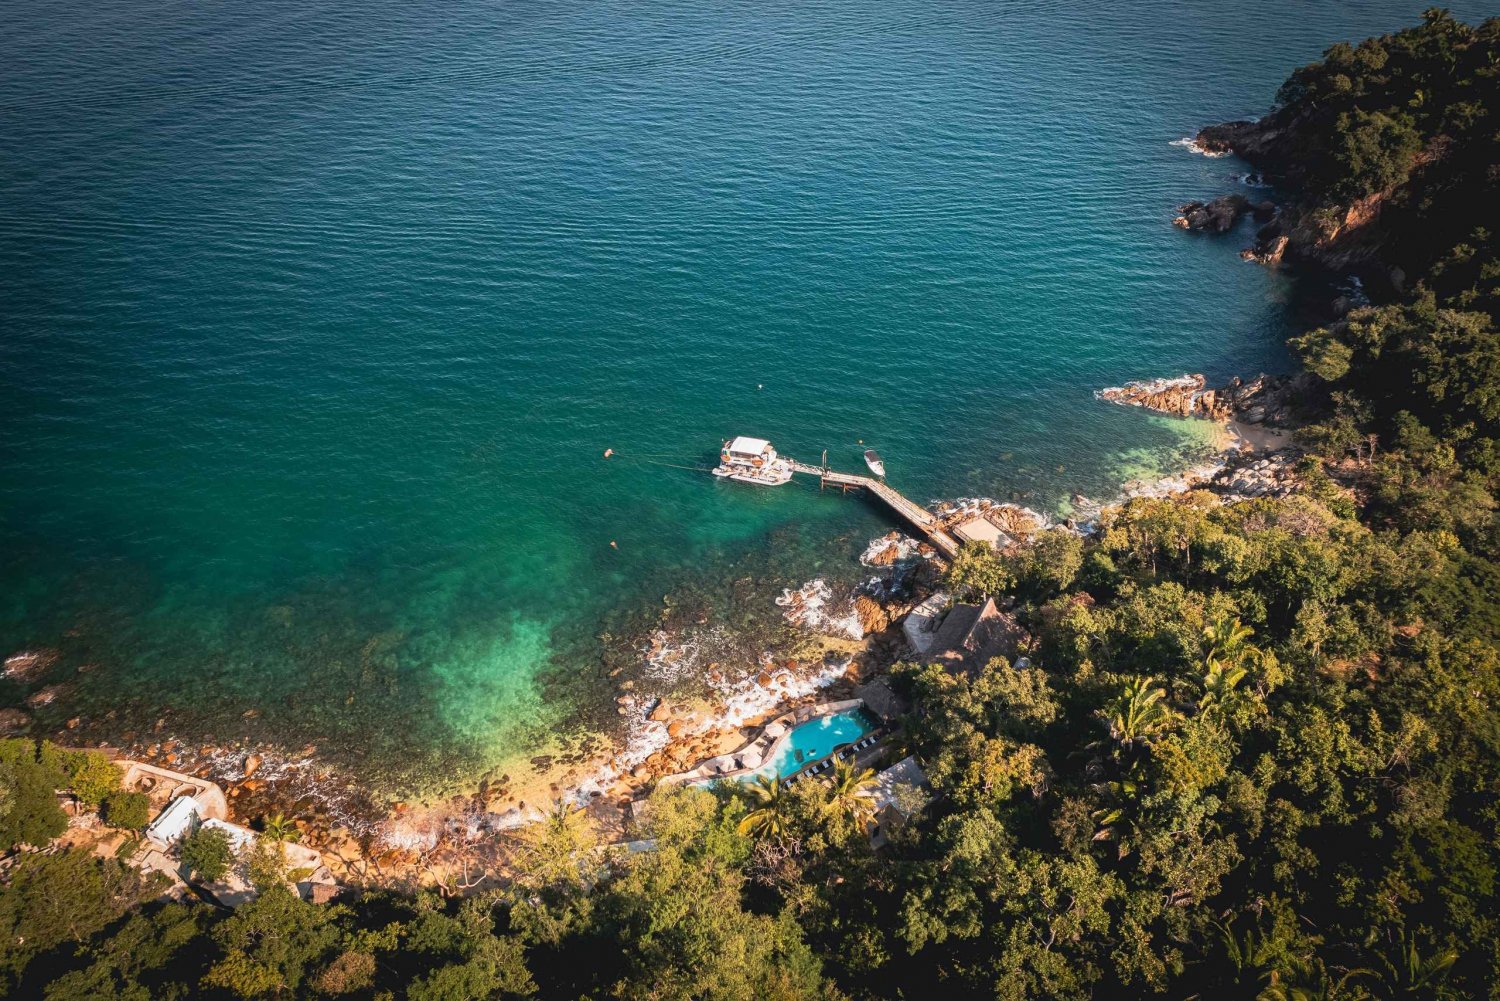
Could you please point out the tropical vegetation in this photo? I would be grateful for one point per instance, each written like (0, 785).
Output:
(1254, 751)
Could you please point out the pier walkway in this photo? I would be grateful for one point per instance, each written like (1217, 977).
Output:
(914, 514)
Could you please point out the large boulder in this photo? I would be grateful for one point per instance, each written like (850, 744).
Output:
(1217, 216)
(1269, 248)
(28, 665)
(872, 614)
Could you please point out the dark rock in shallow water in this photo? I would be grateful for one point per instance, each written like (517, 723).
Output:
(46, 696)
(1217, 216)
(1269, 248)
(29, 664)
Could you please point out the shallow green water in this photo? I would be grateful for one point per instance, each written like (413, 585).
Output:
(318, 320)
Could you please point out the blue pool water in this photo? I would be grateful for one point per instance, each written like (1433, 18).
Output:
(816, 740)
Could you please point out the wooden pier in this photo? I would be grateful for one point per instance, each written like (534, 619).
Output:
(913, 514)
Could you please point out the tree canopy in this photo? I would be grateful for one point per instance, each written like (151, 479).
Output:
(1253, 752)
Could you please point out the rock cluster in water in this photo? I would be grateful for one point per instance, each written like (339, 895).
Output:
(29, 665)
(1220, 214)
(1267, 399)
(1336, 237)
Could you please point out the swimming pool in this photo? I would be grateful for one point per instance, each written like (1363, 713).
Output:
(814, 740)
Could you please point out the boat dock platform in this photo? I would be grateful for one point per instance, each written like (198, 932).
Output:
(913, 514)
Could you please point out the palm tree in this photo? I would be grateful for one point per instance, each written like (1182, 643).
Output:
(1225, 640)
(770, 818)
(1309, 979)
(280, 829)
(1246, 958)
(1137, 712)
(1219, 682)
(1410, 974)
(852, 795)
(1115, 818)
(563, 817)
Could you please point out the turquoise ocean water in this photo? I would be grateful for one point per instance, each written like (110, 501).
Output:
(318, 317)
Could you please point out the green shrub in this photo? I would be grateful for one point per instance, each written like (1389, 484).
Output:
(32, 816)
(130, 810)
(207, 854)
(91, 776)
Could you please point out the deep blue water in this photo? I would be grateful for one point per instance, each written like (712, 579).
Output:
(317, 318)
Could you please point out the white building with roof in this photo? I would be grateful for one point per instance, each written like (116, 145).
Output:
(184, 815)
(178, 820)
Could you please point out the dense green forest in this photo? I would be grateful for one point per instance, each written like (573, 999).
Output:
(1255, 751)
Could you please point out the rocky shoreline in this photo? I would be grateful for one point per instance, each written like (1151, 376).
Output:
(1259, 416)
(1272, 401)
(1337, 238)
(848, 639)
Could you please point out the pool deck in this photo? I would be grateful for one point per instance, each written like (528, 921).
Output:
(761, 748)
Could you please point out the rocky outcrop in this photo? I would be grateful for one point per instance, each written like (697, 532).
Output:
(887, 550)
(1337, 237)
(46, 696)
(1183, 396)
(1270, 400)
(1268, 249)
(1257, 475)
(1257, 141)
(1217, 216)
(873, 616)
(28, 665)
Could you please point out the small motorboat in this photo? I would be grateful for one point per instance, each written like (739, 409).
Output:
(875, 462)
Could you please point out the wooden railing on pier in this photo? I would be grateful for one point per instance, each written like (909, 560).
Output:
(914, 514)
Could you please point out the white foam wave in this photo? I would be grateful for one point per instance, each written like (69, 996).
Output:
(1353, 289)
(296, 776)
(1191, 144)
(886, 550)
(813, 607)
(671, 658)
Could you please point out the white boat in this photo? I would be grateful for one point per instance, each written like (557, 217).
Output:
(752, 460)
(876, 464)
